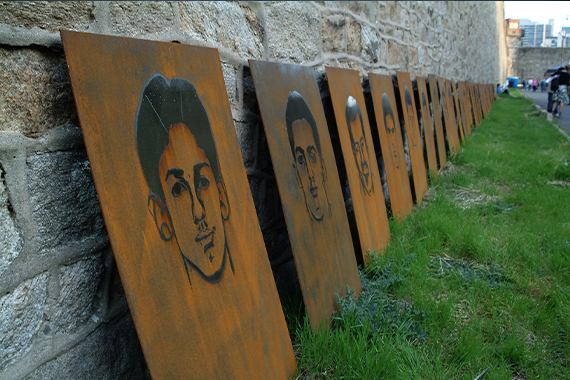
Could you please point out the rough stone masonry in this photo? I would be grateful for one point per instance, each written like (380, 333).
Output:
(63, 313)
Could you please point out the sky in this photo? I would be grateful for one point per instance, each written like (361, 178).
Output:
(540, 11)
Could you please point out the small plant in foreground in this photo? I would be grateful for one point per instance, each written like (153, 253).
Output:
(380, 313)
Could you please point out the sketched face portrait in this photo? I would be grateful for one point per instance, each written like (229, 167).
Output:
(359, 144)
(188, 199)
(390, 128)
(411, 113)
(306, 150)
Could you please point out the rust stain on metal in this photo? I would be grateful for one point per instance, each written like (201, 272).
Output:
(412, 125)
(388, 124)
(167, 167)
(437, 117)
(359, 159)
(309, 186)
(428, 125)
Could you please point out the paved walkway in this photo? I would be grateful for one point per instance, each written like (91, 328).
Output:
(541, 98)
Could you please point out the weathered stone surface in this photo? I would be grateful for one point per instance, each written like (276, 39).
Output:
(77, 287)
(21, 316)
(293, 31)
(354, 38)
(334, 32)
(229, 72)
(134, 18)
(35, 93)
(393, 54)
(224, 24)
(64, 202)
(48, 15)
(10, 238)
(370, 44)
(110, 352)
(532, 62)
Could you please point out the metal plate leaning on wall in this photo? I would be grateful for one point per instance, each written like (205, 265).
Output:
(167, 167)
(455, 121)
(460, 116)
(449, 120)
(309, 186)
(413, 134)
(437, 120)
(429, 137)
(387, 121)
(465, 104)
(359, 159)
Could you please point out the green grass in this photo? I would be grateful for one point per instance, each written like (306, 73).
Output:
(476, 277)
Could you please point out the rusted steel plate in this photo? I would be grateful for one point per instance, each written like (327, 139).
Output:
(359, 159)
(309, 186)
(391, 143)
(437, 118)
(413, 135)
(168, 171)
(474, 104)
(453, 118)
(450, 125)
(471, 98)
(457, 108)
(427, 125)
(465, 103)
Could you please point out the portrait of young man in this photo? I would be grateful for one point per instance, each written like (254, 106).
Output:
(390, 129)
(306, 149)
(187, 199)
(359, 144)
(411, 113)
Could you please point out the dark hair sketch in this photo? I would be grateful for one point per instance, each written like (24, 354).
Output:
(411, 114)
(306, 149)
(188, 199)
(390, 128)
(359, 145)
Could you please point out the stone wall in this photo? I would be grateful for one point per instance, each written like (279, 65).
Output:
(532, 62)
(63, 312)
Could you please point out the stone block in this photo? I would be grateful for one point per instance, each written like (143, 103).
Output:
(224, 24)
(35, 92)
(77, 287)
(48, 15)
(21, 316)
(293, 31)
(354, 38)
(393, 53)
(10, 238)
(110, 352)
(334, 33)
(64, 202)
(413, 54)
(135, 18)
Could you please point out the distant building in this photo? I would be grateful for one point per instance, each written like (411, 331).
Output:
(535, 34)
(514, 33)
(563, 39)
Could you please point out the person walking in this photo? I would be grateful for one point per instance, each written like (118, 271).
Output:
(534, 85)
(561, 95)
(543, 85)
